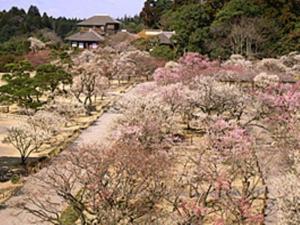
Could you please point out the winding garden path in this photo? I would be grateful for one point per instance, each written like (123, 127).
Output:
(99, 132)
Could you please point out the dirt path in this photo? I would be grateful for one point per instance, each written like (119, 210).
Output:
(97, 133)
(273, 166)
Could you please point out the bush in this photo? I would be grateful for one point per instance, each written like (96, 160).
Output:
(164, 52)
(11, 51)
(16, 46)
(8, 59)
(15, 179)
(144, 44)
(69, 216)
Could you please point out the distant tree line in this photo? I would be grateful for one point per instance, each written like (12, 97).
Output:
(133, 24)
(219, 28)
(17, 22)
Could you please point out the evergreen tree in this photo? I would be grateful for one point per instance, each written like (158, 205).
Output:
(153, 10)
(272, 27)
(33, 20)
(20, 88)
(16, 22)
(46, 21)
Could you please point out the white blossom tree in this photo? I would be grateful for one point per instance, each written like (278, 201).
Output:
(67, 109)
(88, 84)
(27, 139)
(50, 122)
(152, 125)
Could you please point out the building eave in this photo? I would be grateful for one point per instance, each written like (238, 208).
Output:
(86, 37)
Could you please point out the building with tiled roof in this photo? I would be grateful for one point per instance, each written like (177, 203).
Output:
(93, 31)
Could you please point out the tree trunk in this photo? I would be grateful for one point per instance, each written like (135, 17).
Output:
(23, 160)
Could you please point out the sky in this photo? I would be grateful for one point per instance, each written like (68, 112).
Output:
(79, 8)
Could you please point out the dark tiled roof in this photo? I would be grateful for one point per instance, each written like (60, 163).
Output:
(86, 36)
(98, 21)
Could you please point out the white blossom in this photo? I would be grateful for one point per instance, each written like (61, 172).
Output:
(264, 80)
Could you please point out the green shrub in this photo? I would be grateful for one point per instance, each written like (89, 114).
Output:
(16, 46)
(144, 44)
(164, 52)
(8, 59)
(69, 216)
(15, 179)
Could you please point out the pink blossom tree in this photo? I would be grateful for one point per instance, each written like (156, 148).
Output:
(192, 65)
(176, 96)
(225, 184)
(277, 113)
(115, 185)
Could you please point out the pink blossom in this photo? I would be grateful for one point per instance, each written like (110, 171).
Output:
(192, 58)
(219, 221)
(230, 140)
(222, 182)
(192, 65)
(165, 76)
(193, 208)
(282, 101)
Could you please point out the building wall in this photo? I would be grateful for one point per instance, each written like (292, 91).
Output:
(74, 44)
(109, 28)
(83, 45)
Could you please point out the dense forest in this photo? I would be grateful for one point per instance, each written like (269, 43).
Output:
(259, 28)
(16, 25)
(17, 22)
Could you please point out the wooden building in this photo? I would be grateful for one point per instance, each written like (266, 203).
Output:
(93, 31)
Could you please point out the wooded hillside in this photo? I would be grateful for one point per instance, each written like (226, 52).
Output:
(260, 28)
(17, 22)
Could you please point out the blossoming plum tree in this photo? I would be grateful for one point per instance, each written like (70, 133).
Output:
(50, 122)
(67, 109)
(104, 186)
(27, 139)
(277, 112)
(88, 84)
(214, 194)
(152, 125)
(193, 65)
